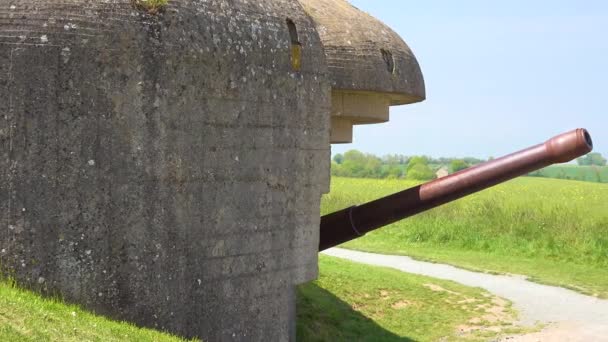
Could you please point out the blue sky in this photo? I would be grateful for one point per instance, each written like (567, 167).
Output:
(499, 76)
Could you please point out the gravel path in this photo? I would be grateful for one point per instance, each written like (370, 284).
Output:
(573, 316)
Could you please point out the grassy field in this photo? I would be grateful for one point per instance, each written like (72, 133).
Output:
(555, 231)
(354, 302)
(25, 316)
(575, 172)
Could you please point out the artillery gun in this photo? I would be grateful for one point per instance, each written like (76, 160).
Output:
(356, 221)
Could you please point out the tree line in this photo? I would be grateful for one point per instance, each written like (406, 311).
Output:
(355, 163)
(592, 159)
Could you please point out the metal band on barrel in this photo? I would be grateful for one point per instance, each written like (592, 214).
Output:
(352, 222)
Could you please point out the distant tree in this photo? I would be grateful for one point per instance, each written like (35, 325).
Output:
(584, 161)
(393, 172)
(392, 165)
(457, 165)
(472, 161)
(353, 164)
(336, 169)
(592, 159)
(582, 175)
(390, 159)
(373, 167)
(357, 164)
(420, 171)
(354, 155)
(415, 160)
(597, 159)
(598, 173)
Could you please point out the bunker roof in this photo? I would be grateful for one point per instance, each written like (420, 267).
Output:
(363, 54)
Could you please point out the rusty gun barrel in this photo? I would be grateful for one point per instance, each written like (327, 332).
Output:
(354, 222)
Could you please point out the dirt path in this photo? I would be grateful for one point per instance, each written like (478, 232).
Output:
(572, 316)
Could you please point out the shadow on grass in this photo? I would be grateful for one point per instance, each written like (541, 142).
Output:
(324, 317)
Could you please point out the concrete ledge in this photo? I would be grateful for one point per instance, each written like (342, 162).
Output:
(360, 107)
(341, 130)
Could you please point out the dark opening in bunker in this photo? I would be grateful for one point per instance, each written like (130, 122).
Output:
(296, 46)
(293, 32)
(389, 60)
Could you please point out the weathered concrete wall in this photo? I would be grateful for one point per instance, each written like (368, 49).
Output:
(166, 169)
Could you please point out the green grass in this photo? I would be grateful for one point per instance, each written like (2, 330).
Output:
(575, 172)
(555, 231)
(349, 302)
(151, 6)
(25, 316)
(355, 302)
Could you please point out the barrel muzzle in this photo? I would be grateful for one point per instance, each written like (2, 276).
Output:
(567, 146)
(353, 222)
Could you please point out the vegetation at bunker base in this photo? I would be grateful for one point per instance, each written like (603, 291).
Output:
(151, 6)
(355, 302)
(349, 302)
(25, 316)
(555, 231)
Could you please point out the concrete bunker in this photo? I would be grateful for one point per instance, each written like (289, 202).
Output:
(166, 168)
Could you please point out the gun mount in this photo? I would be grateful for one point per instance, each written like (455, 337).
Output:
(356, 221)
